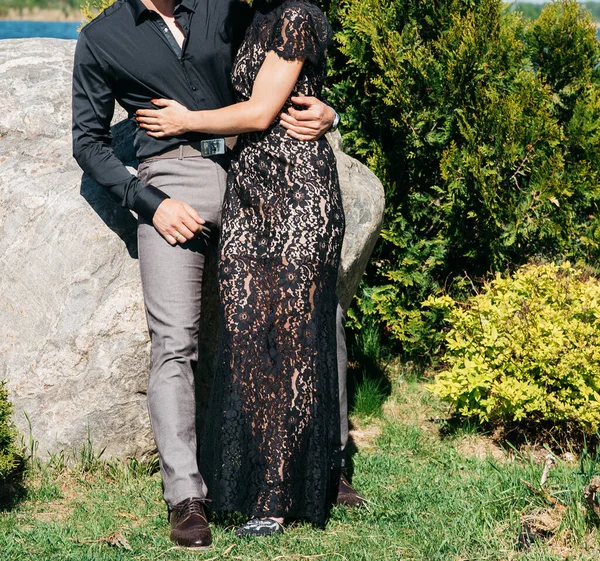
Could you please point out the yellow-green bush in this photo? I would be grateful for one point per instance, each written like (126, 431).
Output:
(526, 348)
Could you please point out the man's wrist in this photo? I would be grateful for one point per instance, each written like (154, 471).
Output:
(336, 121)
(147, 201)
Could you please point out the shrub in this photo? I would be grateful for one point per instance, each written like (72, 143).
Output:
(526, 348)
(563, 48)
(484, 128)
(9, 455)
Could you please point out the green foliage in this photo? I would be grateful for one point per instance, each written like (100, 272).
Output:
(530, 11)
(566, 65)
(533, 11)
(526, 348)
(92, 8)
(481, 125)
(67, 6)
(9, 456)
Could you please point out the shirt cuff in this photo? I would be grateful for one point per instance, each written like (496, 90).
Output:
(147, 201)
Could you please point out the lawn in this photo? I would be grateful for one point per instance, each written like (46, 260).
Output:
(435, 493)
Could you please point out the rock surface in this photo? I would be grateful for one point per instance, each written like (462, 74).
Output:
(73, 340)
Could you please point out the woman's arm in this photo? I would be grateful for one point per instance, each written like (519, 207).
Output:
(274, 84)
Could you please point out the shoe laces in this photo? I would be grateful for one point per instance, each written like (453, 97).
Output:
(194, 505)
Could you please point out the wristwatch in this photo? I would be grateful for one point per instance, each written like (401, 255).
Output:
(336, 122)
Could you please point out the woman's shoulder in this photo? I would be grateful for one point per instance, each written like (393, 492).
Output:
(293, 28)
(303, 9)
(307, 16)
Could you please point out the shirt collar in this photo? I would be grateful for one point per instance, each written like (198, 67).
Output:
(140, 10)
(189, 5)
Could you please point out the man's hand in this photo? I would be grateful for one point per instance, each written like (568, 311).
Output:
(310, 123)
(177, 221)
(172, 120)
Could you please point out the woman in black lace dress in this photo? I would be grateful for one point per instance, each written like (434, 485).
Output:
(269, 445)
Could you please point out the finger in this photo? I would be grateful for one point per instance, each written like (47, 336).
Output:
(183, 233)
(299, 130)
(289, 119)
(148, 112)
(179, 237)
(162, 102)
(170, 238)
(154, 128)
(297, 136)
(155, 134)
(149, 120)
(291, 122)
(311, 127)
(193, 213)
(191, 225)
(306, 115)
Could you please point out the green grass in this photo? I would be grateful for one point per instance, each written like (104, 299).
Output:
(432, 498)
(369, 397)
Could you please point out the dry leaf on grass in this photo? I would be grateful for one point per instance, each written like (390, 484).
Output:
(539, 525)
(114, 539)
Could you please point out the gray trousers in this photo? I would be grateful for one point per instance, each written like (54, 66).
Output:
(172, 278)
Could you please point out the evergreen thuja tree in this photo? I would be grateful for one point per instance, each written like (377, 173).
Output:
(465, 111)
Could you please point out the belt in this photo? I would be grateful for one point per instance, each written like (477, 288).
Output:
(203, 149)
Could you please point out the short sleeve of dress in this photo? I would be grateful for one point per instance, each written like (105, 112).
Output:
(300, 32)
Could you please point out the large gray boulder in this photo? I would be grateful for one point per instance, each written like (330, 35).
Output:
(73, 340)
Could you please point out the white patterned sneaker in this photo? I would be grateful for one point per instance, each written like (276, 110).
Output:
(257, 527)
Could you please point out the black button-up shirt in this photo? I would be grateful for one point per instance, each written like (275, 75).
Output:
(124, 56)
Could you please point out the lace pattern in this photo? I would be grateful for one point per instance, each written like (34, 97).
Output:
(300, 33)
(270, 436)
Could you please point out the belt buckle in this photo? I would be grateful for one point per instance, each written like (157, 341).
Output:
(212, 147)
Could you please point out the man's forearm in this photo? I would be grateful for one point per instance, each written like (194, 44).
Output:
(102, 165)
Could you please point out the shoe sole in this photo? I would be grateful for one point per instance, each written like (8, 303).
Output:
(192, 548)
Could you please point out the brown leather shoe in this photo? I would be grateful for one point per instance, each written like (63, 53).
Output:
(347, 496)
(189, 527)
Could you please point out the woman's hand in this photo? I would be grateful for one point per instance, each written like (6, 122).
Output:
(169, 121)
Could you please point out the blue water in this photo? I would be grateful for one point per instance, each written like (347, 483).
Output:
(57, 29)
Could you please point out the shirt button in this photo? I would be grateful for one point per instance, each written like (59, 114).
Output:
(166, 29)
(194, 88)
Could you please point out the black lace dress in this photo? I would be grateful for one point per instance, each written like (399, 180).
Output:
(269, 444)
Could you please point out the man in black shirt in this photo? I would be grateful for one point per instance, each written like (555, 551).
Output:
(134, 52)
